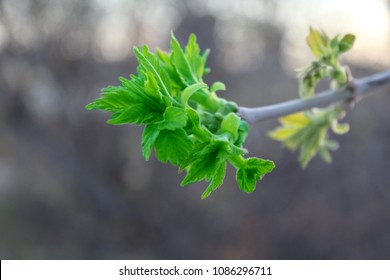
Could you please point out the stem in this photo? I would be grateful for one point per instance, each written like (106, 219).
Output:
(207, 100)
(354, 92)
(237, 161)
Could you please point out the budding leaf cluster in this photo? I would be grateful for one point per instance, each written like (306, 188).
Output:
(309, 131)
(184, 120)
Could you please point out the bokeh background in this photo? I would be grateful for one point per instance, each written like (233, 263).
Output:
(73, 187)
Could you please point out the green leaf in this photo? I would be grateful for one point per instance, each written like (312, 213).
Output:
(194, 119)
(315, 42)
(230, 124)
(173, 146)
(149, 137)
(296, 119)
(308, 132)
(346, 43)
(243, 130)
(190, 90)
(253, 170)
(150, 64)
(216, 181)
(160, 67)
(310, 145)
(112, 99)
(174, 118)
(138, 94)
(206, 162)
(292, 131)
(194, 126)
(217, 86)
(204, 59)
(325, 155)
(195, 61)
(340, 128)
(128, 104)
(282, 133)
(175, 79)
(133, 114)
(180, 61)
(334, 43)
(151, 86)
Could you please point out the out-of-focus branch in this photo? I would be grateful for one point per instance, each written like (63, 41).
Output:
(356, 90)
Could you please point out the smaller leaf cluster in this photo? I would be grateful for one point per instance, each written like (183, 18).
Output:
(309, 131)
(186, 123)
(327, 52)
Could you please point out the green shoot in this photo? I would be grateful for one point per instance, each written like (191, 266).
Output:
(184, 120)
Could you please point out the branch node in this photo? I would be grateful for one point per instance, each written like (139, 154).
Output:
(351, 100)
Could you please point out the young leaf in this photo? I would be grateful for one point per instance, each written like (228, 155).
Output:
(340, 128)
(310, 144)
(325, 155)
(216, 181)
(137, 113)
(194, 119)
(308, 132)
(292, 129)
(174, 117)
(230, 124)
(282, 133)
(204, 59)
(253, 170)
(206, 162)
(217, 86)
(194, 126)
(243, 130)
(176, 81)
(149, 137)
(296, 119)
(346, 43)
(180, 61)
(315, 42)
(151, 86)
(190, 90)
(113, 99)
(173, 146)
(128, 104)
(195, 61)
(151, 66)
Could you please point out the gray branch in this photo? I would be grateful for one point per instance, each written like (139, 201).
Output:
(356, 90)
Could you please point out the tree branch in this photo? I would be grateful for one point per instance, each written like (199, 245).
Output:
(354, 92)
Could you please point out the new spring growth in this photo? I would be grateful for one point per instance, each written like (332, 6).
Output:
(187, 123)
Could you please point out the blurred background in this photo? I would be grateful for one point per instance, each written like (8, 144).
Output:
(73, 187)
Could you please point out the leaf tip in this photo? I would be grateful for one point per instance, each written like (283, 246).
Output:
(205, 195)
(91, 106)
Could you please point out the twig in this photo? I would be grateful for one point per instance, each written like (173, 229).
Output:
(355, 91)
